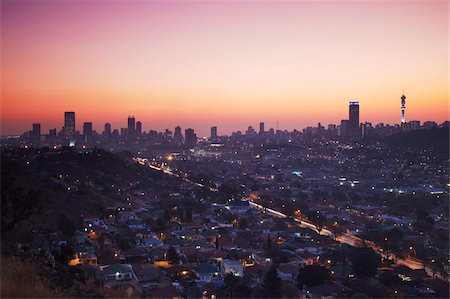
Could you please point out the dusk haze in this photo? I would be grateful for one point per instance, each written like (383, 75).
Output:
(212, 62)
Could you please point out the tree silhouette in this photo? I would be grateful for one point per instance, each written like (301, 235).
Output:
(312, 275)
(17, 204)
(272, 282)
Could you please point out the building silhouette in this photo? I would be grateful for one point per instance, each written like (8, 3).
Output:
(131, 130)
(213, 134)
(138, 128)
(69, 123)
(190, 138)
(353, 119)
(87, 130)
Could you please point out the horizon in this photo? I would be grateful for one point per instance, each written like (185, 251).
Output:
(226, 64)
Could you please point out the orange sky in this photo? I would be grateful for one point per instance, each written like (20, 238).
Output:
(227, 63)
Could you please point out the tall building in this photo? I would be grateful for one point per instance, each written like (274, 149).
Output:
(87, 130)
(343, 128)
(213, 134)
(261, 128)
(69, 123)
(177, 136)
(107, 131)
(403, 102)
(131, 126)
(250, 131)
(36, 133)
(52, 133)
(138, 128)
(353, 119)
(190, 138)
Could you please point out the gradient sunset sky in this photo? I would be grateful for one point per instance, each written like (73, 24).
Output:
(226, 63)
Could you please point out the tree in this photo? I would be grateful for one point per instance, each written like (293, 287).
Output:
(172, 256)
(64, 255)
(312, 275)
(17, 204)
(243, 291)
(231, 282)
(365, 262)
(388, 278)
(66, 226)
(317, 218)
(272, 282)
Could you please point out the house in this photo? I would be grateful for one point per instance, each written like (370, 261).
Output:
(118, 272)
(205, 272)
(152, 243)
(137, 255)
(287, 272)
(232, 266)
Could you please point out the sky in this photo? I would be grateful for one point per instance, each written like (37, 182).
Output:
(229, 64)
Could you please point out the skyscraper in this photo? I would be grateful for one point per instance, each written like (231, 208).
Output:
(261, 128)
(107, 131)
(213, 134)
(190, 138)
(131, 126)
(403, 120)
(87, 130)
(177, 136)
(353, 119)
(138, 128)
(36, 131)
(69, 123)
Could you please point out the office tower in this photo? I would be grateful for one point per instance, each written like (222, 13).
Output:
(107, 131)
(213, 134)
(52, 133)
(177, 136)
(261, 128)
(190, 138)
(36, 133)
(131, 126)
(168, 134)
(403, 102)
(343, 128)
(69, 123)
(138, 128)
(250, 131)
(366, 129)
(353, 119)
(123, 132)
(87, 130)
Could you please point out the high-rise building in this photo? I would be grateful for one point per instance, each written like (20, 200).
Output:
(107, 131)
(353, 119)
(250, 131)
(131, 126)
(69, 123)
(190, 138)
(213, 134)
(343, 128)
(177, 136)
(52, 133)
(36, 133)
(87, 130)
(138, 128)
(403, 102)
(261, 128)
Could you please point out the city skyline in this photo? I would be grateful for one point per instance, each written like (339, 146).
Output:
(225, 64)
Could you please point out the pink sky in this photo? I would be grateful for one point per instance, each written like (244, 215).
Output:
(225, 63)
